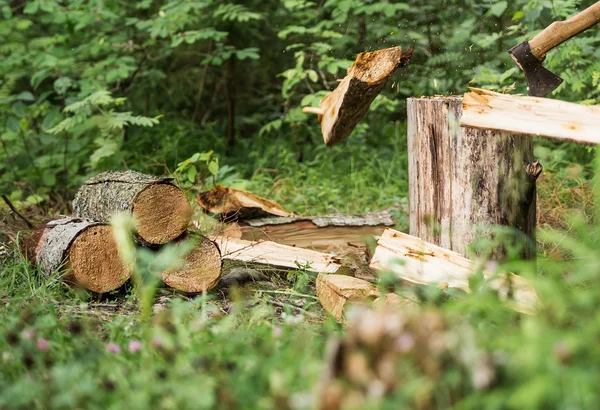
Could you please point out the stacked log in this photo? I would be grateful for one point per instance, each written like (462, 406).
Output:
(86, 250)
(160, 209)
(84, 247)
(200, 269)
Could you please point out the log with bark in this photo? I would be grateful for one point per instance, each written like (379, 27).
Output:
(85, 250)
(542, 117)
(344, 107)
(233, 204)
(417, 261)
(160, 209)
(323, 233)
(200, 269)
(276, 255)
(463, 182)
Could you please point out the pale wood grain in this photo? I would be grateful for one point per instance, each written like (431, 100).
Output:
(542, 117)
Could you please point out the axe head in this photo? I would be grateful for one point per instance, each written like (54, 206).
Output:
(540, 80)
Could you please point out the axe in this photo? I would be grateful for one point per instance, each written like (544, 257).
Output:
(529, 55)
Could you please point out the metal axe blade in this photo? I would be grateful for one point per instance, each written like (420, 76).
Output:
(540, 80)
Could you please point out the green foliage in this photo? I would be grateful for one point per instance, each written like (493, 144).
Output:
(232, 77)
(61, 350)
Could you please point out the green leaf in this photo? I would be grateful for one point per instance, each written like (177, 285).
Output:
(312, 74)
(50, 118)
(13, 124)
(191, 174)
(40, 76)
(49, 179)
(19, 109)
(25, 96)
(213, 167)
(107, 149)
(31, 8)
(518, 15)
(251, 53)
(332, 68)
(62, 84)
(498, 9)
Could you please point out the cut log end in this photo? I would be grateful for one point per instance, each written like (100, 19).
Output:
(94, 262)
(200, 270)
(162, 213)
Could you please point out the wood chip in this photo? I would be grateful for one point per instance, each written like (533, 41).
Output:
(234, 204)
(336, 291)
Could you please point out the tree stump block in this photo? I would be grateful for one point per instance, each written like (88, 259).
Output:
(160, 209)
(464, 181)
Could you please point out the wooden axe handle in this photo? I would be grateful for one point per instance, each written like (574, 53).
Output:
(560, 31)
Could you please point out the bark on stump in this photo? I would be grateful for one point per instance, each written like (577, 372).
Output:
(160, 209)
(464, 181)
(86, 250)
(201, 267)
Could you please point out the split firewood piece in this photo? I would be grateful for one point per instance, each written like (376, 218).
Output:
(86, 250)
(417, 261)
(200, 269)
(541, 117)
(160, 209)
(277, 255)
(237, 204)
(322, 233)
(335, 292)
(344, 107)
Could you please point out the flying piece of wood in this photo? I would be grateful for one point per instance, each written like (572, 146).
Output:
(237, 204)
(541, 117)
(275, 254)
(417, 261)
(343, 108)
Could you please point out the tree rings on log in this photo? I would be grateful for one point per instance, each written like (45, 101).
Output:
(200, 270)
(161, 210)
(86, 250)
(234, 204)
(344, 107)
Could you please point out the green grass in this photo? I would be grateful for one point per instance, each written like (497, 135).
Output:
(263, 345)
(197, 353)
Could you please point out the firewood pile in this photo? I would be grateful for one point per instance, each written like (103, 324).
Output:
(253, 230)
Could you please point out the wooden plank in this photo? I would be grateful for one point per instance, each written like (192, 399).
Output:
(275, 254)
(323, 233)
(417, 261)
(309, 236)
(540, 117)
